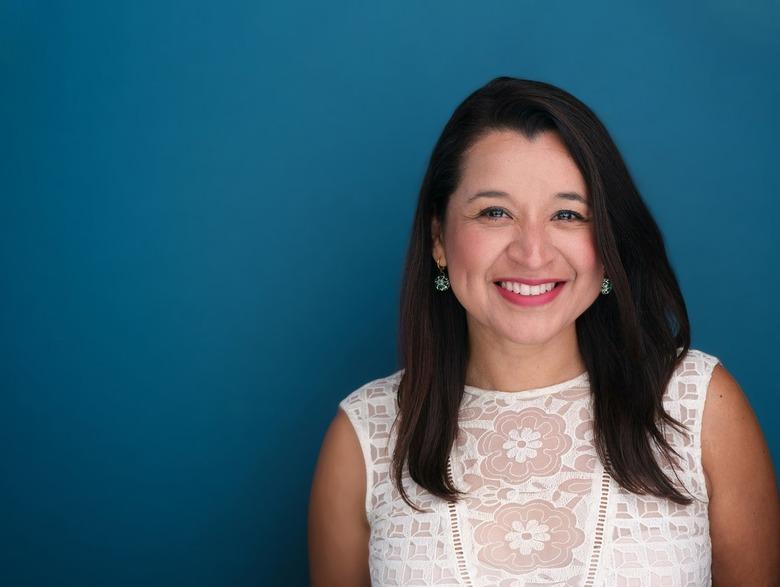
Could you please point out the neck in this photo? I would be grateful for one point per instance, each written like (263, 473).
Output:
(505, 365)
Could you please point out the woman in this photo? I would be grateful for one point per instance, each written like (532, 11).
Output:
(551, 424)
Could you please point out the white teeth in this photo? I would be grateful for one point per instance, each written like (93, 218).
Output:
(527, 290)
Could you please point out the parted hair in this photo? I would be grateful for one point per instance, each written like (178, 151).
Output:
(631, 340)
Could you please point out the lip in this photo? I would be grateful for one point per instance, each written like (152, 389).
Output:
(539, 300)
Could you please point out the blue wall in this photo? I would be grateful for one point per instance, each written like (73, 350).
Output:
(204, 211)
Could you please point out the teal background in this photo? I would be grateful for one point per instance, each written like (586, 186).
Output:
(204, 209)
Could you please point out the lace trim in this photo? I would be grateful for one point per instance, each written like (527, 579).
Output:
(456, 539)
(598, 539)
(527, 394)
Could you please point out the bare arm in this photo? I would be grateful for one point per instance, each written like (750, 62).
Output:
(744, 510)
(338, 528)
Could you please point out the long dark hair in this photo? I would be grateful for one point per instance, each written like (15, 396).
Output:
(631, 340)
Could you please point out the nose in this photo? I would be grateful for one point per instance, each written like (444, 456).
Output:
(530, 245)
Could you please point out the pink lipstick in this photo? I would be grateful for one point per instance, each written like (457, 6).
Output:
(538, 300)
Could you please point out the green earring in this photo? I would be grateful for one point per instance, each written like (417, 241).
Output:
(442, 282)
(606, 286)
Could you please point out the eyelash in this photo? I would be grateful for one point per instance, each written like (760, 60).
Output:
(577, 215)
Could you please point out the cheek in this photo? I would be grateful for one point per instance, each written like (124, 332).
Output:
(588, 259)
(582, 252)
(471, 251)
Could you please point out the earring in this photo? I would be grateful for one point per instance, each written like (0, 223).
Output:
(606, 286)
(442, 282)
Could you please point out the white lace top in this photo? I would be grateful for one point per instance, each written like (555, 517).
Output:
(540, 510)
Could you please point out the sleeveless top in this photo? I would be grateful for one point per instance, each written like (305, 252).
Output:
(540, 510)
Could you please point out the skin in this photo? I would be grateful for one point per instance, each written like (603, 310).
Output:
(744, 509)
(338, 529)
(517, 348)
(514, 347)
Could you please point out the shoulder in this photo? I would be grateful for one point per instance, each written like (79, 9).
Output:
(743, 503)
(731, 433)
(683, 400)
(686, 390)
(696, 364)
(376, 397)
(370, 412)
(340, 498)
(380, 386)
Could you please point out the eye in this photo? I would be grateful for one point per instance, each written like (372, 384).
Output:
(493, 213)
(572, 215)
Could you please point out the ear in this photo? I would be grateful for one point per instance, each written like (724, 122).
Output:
(438, 242)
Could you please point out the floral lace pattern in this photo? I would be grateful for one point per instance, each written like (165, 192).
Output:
(539, 509)
(527, 536)
(523, 445)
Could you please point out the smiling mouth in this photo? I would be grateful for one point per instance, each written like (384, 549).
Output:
(528, 291)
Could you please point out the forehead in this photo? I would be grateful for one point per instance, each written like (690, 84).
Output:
(508, 161)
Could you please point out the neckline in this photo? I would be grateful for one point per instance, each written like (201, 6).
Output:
(527, 393)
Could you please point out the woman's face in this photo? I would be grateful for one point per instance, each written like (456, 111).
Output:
(528, 225)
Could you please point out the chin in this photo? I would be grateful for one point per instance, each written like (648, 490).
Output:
(529, 339)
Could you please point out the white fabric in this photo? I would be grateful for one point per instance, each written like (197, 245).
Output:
(540, 510)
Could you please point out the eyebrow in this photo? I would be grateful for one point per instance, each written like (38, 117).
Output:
(497, 194)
